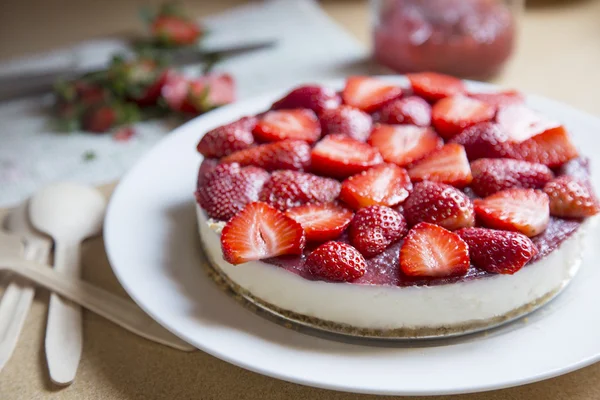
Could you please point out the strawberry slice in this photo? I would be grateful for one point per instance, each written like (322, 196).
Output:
(411, 110)
(316, 98)
(287, 189)
(500, 99)
(446, 165)
(491, 175)
(340, 156)
(439, 204)
(571, 198)
(522, 210)
(374, 229)
(347, 121)
(484, 140)
(552, 148)
(453, 114)
(404, 144)
(321, 222)
(286, 154)
(384, 185)
(368, 94)
(228, 188)
(299, 124)
(433, 252)
(336, 262)
(433, 86)
(521, 123)
(259, 231)
(228, 139)
(498, 252)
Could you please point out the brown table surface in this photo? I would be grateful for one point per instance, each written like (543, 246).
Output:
(558, 56)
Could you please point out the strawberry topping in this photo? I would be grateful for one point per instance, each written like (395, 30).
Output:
(374, 228)
(368, 94)
(498, 252)
(453, 114)
(404, 144)
(260, 231)
(434, 252)
(446, 165)
(571, 198)
(491, 175)
(207, 166)
(385, 185)
(523, 210)
(339, 156)
(347, 121)
(321, 222)
(337, 262)
(316, 98)
(433, 86)
(552, 148)
(286, 154)
(521, 123)
(483, 140)
(299, 124)
(500, 99)
(409, 110)
(228, 139)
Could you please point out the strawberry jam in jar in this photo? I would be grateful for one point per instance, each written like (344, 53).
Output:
(465, 38)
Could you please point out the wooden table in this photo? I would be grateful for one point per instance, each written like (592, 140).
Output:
(558, 56)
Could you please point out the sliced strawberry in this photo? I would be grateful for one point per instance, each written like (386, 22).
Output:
(207, 166)
(321, 222)
(384, 185)
(228, 139)
(433, 86)
(228, 188)
(434, 252)
(374, 228)
(571, 198)
(453, 114)
(174, 30)
(368, 94)
(347, 121)
(286, 154)
(259, 231)
(439, 204)
(521, 122)
(404, 144)
(337, 262)
(552, 148)
(483, 140)
(316, 98)
(500, 99)
(498, 252)
(523, 210)
(340, 156)
(408, 110)
(577, 167)
(446, 165)
(287, 189)
(299, 124)
(100, 119)
(491, 175)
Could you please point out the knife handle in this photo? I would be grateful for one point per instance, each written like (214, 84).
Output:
(32, 83)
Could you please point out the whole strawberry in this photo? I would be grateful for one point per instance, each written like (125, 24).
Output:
(571, 197)
(313, 97)
(228, 139)
(337, 262)
(491, 175)
(375, 228)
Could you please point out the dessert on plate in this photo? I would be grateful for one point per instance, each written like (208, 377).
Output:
(396, 211)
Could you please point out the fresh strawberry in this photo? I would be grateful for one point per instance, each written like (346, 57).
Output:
(259, 231)
(404, 144)
(571, 198)
(408, 110)
(453, 114)
(578, 167)
(337, 262)
(484, 140)
(124, 134)
(552, 148)
(100, 119)
(384, 185)
(498, 252)
(316, 98)
(228, 139)
(286, 154)
(491, 175)
(228, 188)
(500, 99)
(139, 80)
(287, 189)
(194, 96)
(321, 222)
(299, 123)
(446, 165)
(439, 204)
(174, 30)
(433, 252)
(89, 93)
(374, 228)
(340, 156)
(521, 123)
(433, 86)
(368, 94)
(207, 166)
(523, 210)
(347, 121)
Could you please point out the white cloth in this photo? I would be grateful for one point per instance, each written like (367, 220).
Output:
(309, 47)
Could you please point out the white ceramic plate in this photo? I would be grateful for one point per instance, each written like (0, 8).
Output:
(153, 247)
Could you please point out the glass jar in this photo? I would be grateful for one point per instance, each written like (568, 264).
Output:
(464, 38)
